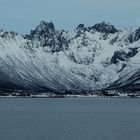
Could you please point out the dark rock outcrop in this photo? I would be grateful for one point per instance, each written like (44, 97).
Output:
(135, 36)
(123, 56)
(50, 39)
(105, 28)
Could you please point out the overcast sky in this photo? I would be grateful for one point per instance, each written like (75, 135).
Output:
(24, 15)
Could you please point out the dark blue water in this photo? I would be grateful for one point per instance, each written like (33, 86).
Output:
(69, 119)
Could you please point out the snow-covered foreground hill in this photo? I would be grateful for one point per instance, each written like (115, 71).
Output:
(86, 58)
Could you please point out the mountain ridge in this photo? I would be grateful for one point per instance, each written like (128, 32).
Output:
(85, 58)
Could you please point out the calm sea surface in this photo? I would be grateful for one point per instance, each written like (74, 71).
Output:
(69, 119)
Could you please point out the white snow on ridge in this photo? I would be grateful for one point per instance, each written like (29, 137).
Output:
(86, 64)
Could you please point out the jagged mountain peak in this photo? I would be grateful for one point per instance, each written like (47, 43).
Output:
(80, 26)
(43, 29)
(105, 27)
(46, 26)
(48, 38)
(8, 34)
(102, 27)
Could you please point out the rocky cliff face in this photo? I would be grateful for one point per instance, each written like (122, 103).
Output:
(86, 58)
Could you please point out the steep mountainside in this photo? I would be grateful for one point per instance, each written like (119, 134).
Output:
(86, 58)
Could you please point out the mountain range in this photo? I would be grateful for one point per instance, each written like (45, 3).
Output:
(83, 59)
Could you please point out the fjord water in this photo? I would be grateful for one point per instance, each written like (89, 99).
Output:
(69, 119)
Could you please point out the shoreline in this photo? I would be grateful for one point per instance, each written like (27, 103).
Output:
(74, 96)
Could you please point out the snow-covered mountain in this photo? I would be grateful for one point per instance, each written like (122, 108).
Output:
(86, 58)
